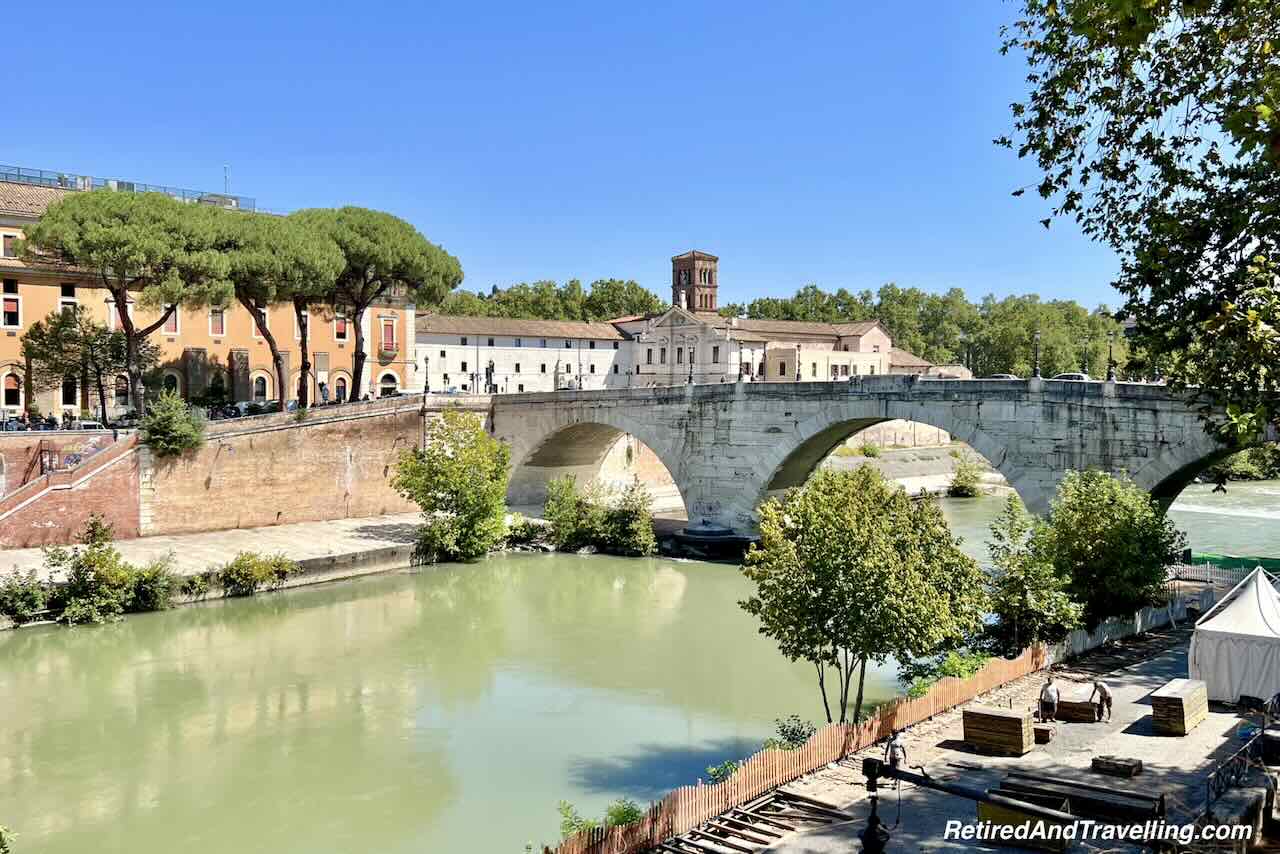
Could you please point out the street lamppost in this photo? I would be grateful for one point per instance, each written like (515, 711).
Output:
(691, 352)
(1036, 368)
(1111, 362)
(426, 379)
(797, 363)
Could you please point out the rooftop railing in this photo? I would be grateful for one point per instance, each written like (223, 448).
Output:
(71, 181)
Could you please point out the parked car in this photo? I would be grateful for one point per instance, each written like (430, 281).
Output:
(14, 424)
(1003, 377)
(1074, 376)
(84, 424)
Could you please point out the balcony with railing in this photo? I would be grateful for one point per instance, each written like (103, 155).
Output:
(71, 181)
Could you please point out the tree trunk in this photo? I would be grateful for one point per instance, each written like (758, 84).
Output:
(358, 357)
(102, 393)
(846, 681)
(260, 320)
(862, 678)
(822, 686)
(133, 335)
(304, 367)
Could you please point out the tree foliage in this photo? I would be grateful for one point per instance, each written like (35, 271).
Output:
(1029, 598)
(170, 429)
(70, 344)
(143, 247)
(617, 522)
(851, 570)
(1111, 542)
(383, 257)
(1156, 126)
(966, 480)
(271, 260)
(459, 480)
(545, 300)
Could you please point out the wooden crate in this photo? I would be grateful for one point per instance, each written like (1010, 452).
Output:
(1003, 731)
(1001, 814)
(1074, 704)
(1044, 733)
(1117, 766)
(1179, 706)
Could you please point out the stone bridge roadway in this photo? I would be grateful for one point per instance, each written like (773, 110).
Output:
(729, 445)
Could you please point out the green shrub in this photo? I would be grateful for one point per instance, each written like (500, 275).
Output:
(615, 523)
(723, 771)
(197, 586)
(5, 835)
(22, 596)
(792, 733)
(153, 586)
(571, 821)
(966, 481)
(622, 811)
(250, 571)
(169, 427)
(459, 480)
(868, 450)
(523, 532)
(98, 583)
(955, 663)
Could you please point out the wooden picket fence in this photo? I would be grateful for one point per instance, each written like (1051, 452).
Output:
(689, 806)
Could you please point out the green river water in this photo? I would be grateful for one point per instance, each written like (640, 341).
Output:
(446, 710)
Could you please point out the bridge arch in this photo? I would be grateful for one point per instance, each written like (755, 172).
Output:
(791, 462)
(578, 443)
(1176, 466)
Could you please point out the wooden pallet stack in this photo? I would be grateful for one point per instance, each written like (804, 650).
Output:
(1179, 706)
(1003, 731)
(1075, 706)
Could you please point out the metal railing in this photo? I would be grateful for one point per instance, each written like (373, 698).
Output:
(1233, 772)
(71, 181)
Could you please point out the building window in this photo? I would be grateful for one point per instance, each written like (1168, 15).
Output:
(122, 391)
(544, 342)
(11, 286)
(872, 372)
(69, 391)
(517, 342)
(217, 322)
(875, 348)
(298, 323)
(615, 345)
(615, 368)
(339, 327)
(10, 249)
(813, 369)
(762, 369)
(568, 345)
(544, 368)
(113, 314)
(260, 389)
(389, 335)
(592, 369)
(844, 370)
(715, 355)
(171, 383)
(67, 298)
(12, 310)
(387, 385)
(259, 316)
(648, 356)
(517, 367)
(463, 339)
(591, 345)
(171, 322)
(464, 367)
(12, 390)
(679, 355)
(340, 388)
(662, 355)
(782, 369)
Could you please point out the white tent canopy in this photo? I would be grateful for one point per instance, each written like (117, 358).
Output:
(1235, 648)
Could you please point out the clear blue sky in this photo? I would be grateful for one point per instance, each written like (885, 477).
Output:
(847, 144)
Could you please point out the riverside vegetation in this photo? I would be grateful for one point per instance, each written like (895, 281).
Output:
(92, 583)
(459, 481)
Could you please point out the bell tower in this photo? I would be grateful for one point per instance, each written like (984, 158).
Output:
(694, 280)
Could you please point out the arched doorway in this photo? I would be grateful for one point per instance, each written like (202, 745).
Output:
(388, 384)
(260, 388)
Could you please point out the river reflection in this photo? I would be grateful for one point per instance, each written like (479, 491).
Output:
(447, 710)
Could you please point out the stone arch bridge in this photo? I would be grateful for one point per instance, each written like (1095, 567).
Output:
(727, 446)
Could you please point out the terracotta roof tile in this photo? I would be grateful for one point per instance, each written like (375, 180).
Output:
(442, 324)
(905, 359)
(27, 199)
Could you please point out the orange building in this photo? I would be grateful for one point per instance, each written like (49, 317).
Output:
(200, 349)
